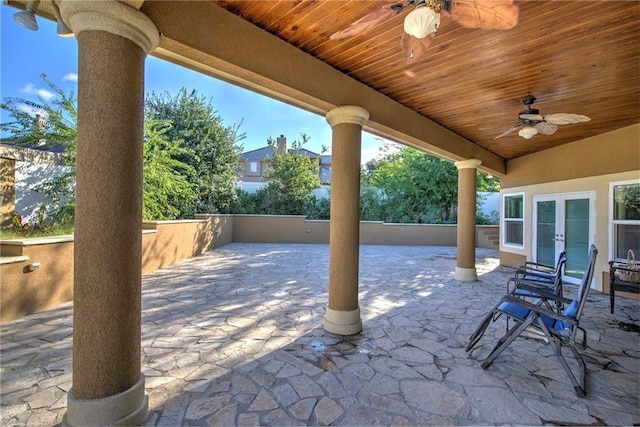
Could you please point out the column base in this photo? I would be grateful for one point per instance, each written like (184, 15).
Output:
(343, 322)
(128, 408)
(466, 274)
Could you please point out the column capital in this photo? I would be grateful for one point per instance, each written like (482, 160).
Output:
(112, 17)
(347, 114)
(468, 164)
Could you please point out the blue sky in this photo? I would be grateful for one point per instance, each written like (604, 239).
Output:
(26, 54)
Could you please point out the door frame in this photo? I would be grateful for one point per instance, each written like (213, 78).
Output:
(560, 199)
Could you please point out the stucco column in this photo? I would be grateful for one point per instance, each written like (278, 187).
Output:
(343, 312)
(113, 41)
(467, 183)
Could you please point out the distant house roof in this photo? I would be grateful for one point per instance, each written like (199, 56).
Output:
(266, 153)
(258, 154)
(40, 147)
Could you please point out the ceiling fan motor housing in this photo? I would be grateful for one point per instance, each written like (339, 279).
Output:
(529, 110)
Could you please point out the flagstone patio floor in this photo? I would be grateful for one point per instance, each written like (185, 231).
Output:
(235, 337)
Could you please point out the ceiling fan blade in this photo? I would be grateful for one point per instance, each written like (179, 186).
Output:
(508, 132)
(414, 48)
(546, 128)
(532, 117)
(565, 118)
(366, 22)
(485, 14)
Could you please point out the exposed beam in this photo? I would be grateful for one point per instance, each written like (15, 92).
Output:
(207, 38)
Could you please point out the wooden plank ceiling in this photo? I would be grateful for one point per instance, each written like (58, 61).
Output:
(574, 56)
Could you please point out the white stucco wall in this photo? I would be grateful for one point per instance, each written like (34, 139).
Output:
(29, 177)
(599, 186)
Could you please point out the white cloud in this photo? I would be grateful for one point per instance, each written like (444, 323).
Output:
(70, 77)
(31, 89)
(32, 111)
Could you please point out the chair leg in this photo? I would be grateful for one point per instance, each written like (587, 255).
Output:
(612, 293)
(506, 340)
(579, 387)
(584, 338)
(479, 332)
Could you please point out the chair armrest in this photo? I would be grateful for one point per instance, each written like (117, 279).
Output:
(544, 292)
(529, 265)
(539, 309)
(551, 276)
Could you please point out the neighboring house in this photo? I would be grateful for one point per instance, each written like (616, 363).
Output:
(22, 171)
(257, 161)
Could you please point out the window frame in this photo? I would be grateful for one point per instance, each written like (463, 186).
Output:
(250, 163)
(504, 220)
(613, 222)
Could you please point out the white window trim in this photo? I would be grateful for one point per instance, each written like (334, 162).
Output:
(611, 219)
(503, 220)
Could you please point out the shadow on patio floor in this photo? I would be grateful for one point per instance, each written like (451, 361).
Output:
(234, 337)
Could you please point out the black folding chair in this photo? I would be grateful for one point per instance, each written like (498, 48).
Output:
(561, 329)
(532, 278)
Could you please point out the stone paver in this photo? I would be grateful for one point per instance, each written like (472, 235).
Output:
(235, 337)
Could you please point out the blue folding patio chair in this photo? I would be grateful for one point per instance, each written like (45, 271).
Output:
(561, 329)
(533, 277)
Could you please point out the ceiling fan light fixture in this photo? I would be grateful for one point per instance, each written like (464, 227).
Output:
(27, 17)
(421, 22)
(61, 28)
(528, 132)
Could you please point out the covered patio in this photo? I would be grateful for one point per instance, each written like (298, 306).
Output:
(235, 337)
(201, 323)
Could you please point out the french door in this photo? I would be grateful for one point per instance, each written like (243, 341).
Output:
(564, 222)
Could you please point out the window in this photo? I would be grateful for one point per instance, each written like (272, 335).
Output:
(513, 220)
(625, 218)
(253, 167)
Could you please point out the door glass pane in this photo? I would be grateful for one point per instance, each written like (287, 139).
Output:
(576, 236)
(546, 233)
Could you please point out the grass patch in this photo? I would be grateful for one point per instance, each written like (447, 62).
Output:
(54, 230)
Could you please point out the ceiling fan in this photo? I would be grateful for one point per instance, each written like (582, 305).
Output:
(421, 24)
(532, 123)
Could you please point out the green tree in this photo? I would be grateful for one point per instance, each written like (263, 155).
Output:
(52, 123)
(291, 178)
(214, 152)
(170, 184)
(488, 183)
(414, 187)
(167, 189)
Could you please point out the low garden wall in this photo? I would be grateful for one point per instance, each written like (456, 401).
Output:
(297, 229)
(37, 273)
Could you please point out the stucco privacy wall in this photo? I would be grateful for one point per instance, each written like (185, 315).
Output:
(163, 244)
(297, 229)
(40, 276)
(167, 242)
(587, 165)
